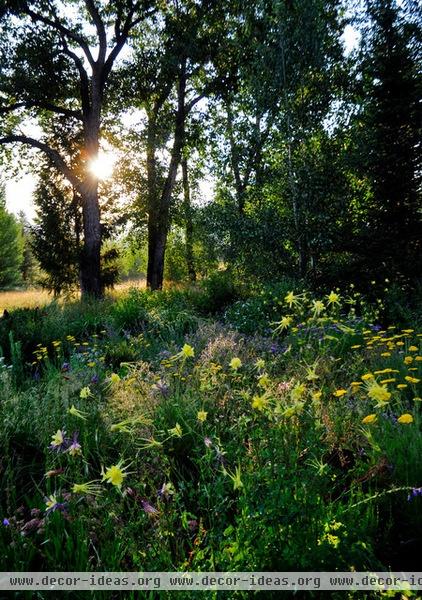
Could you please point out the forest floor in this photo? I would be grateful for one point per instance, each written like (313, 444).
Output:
(183, 431)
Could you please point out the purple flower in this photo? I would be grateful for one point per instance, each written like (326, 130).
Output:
(6, 522)
(75, 448)
(65, 367)
(414, 493)
(95, 379)
(148, 508)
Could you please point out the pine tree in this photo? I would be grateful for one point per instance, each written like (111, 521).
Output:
(392, 121)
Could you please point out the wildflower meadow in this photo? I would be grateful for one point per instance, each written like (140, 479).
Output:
(146, 433)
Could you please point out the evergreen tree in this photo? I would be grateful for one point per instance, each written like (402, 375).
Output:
(11, 246)
(392, 127)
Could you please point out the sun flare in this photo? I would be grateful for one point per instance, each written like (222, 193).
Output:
(102, 166)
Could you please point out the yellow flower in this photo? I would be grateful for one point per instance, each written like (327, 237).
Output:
(356, 346)
(290, 299)
(418, 358)
(58, 438)
(408, 360)
(378, 392)
(235, 363)
(405, 419)
(402, 386)
(51, 502)
(391, 380)
(91, 364)
(85, 392)
(385, 354)
(367, 376)
(316, 395)
(318, 306)
(259, 402)
(260, 363)
(356, 383)
(114, 474)
(114, 378)
(90, 488)
(417, 399)
(298, 391)
(264, 380)
(77, 413)
(413, 348)
(339, 393)
(369, 419)
(188, 351)
(412, 379)
(202, 416)
(284, 323)
(408, 330)
(333, 298)
(176, 431)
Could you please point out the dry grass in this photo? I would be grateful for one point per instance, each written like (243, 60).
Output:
(39, 297)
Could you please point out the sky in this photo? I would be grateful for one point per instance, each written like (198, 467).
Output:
(19, 191)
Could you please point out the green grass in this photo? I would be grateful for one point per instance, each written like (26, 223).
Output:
(267, 466)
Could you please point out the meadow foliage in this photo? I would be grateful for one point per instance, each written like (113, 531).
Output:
(144, 434)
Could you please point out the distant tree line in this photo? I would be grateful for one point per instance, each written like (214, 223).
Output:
(314, 153)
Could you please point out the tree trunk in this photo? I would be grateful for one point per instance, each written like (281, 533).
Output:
(91, 285)
(159, 217)
(188, 222)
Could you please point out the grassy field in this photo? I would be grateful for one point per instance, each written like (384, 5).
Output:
(188, 430)
(32, 297)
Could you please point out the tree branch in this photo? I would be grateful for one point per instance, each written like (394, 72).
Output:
(65, 31)
(43, 105)
(99, 25)
(53, 154)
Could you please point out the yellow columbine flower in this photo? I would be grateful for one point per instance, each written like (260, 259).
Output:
(290, 299)
(235, 363)
(408, 330)
(418, 358)
(90, 488)
(356, 346)
(51, 502)
(57, 439)
(367, 376)
(188, 351)
(405, 419)
(114, 474)
(356, 383)
(333, 298)
(284, 323)
(385, 354)
(260, 363)
(264, 380)
(339, 393)
(369, 419)
(408, 360)
(202, 416)
(85, 392)
(402, 386)
(259, 402)
(114, 378)
(413, 348)
(176, 431)
(384, 381)
(412, 379)
(316, 395)
(91, 364)
(318, 306)
(298, 391)
(77, 413)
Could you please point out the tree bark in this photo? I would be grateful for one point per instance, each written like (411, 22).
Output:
(188, 221)
(159, 220)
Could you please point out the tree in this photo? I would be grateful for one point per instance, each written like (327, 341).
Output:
(49, 70)
(11, 246)
(390, 147)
